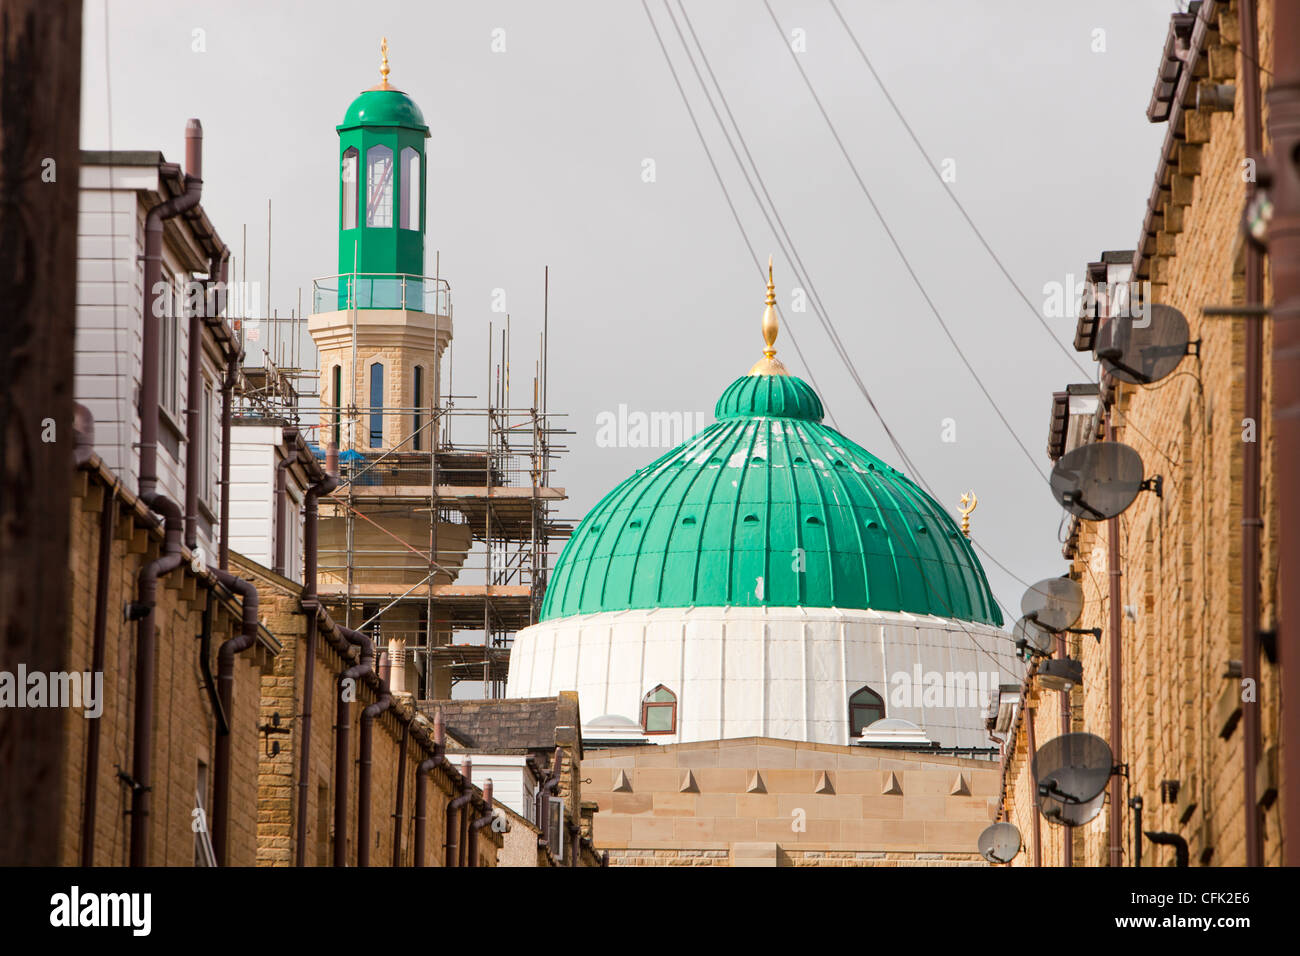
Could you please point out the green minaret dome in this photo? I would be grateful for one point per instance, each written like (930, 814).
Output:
(383, 182)
(384, 108)
(768, 507)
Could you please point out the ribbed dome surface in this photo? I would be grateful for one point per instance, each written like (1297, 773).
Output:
(769, 508)
(774, 396)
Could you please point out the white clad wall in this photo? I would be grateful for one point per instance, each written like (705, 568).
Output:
(252, 491)
(774, 672)
(109, 333)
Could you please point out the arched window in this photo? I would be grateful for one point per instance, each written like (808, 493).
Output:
(417, 381)
(865, 708)
(351, 184)
(659, 711)
(410, 196)
(376, 405)
(379, 186)
(337, 390)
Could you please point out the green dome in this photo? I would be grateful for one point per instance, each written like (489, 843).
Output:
(384, 108)
(776, 396)
(718, 521)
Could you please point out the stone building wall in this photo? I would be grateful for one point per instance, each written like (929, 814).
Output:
(282, 692)
(184, 720)
(766, 802)
(1181, 553)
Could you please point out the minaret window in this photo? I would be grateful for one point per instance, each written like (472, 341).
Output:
(659, 711)
(865, 708)
(376, 405)
(351, 187)
(379, 186)
(417, 381)
(338, 403)
(410, 197)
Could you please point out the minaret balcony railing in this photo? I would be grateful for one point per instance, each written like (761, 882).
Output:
(381, 290)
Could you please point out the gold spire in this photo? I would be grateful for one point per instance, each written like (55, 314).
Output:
(968, 504)
(769, 364)
(383, 67)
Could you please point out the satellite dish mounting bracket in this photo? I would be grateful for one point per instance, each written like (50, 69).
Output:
(1155, 483)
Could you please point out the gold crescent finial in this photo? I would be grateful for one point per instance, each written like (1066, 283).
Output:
(968, 504)
(769, 364)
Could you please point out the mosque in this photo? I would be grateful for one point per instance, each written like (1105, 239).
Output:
(770, 578)
(785, 651)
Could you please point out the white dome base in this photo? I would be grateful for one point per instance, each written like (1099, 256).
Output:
(771, 672)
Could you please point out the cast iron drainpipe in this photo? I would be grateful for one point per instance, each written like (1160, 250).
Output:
(550, 785)
(341, 729)
(1171, 839)
(289, 444)
(1251, 523)
(1115, 572)
(226, 685)
(310, 605)
(143, 609)
(480, 823)
(85, 446)
(454, 812)
(208, 318)
(401, 792)
(433, 760)
(366, 736)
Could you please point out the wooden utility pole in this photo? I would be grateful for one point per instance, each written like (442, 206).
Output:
(40, 108)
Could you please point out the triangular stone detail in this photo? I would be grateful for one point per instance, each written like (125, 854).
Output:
(823, 783)
(688, 783)
(621, 783)
(891, 784)
(960, 788)
(756, 784)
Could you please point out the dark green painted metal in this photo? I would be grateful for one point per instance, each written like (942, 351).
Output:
(389, 260)
(768, 507)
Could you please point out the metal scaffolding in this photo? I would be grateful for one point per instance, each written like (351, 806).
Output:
(442, 537)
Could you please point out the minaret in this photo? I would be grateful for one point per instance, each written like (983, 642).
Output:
(381, 326)
(387, 323)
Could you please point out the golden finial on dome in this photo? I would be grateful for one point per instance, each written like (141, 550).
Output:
(968, 504)
(383, 67)
(769, 364)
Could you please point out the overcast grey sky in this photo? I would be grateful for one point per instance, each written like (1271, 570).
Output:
(537, 156)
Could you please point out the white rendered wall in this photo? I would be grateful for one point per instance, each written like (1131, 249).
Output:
(110, 277)
(254, 453)
(770, 672)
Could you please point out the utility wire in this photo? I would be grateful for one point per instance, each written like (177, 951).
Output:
(899, 249)
(744, 235)
(961, 208)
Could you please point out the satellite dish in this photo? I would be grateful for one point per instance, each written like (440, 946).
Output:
(1071, 814)
(1054, 603)
(1143, 349)
(1097, 481)
(1000, 843)
(1072, 771)
(1031, 636)
(1061, 673)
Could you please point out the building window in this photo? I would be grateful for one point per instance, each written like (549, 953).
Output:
(418, 383)
(379, 187)
(865, 708)
(410, 215)
(169, 348)
(337, 389)
(351, 187)
(376, 405)
(659, 711)
(204, 451)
